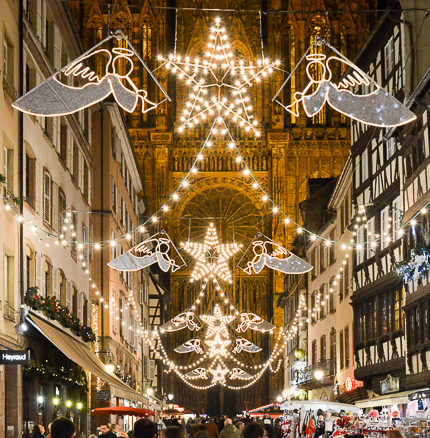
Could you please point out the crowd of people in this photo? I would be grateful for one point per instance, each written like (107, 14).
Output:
(174, 427)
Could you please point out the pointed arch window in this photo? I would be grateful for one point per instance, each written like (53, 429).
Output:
(146, 56)
(318, 28)
(290, 55)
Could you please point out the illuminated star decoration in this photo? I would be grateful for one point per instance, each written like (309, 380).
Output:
(219, 372)
(211, 257)
(218, 83)
(217, 330)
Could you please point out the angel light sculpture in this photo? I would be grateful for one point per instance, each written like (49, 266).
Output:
(376, 108)
(55, 98)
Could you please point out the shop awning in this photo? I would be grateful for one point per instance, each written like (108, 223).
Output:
(353, 396)
(123, 410)
(80, 353)
(396, 398)
(314, 405)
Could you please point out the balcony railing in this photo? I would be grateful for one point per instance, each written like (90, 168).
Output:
(10, 313)
(306, 377)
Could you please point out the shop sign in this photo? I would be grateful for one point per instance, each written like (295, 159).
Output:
(351, 384)
(14, 357)
(390, 384)
(103, 395)
(419, 414)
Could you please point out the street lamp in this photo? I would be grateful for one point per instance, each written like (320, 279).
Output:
(318, 374)
(40, 399)
(170, 396)
(79, 406)
(279, 399)
(149, 391)
(55, 401)
(68, 403)
(110, 367)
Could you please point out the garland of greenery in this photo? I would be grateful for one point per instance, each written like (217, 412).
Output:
(52, 308)
(46, 373)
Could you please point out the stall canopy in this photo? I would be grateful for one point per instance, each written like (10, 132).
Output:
(123, 410)
(314, 405)
(80, 353)
(396, 398)
(273, 410)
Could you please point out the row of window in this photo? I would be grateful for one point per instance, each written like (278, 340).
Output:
(344, 343)
(51, 281)
(379, 316)
(376, 234)
(322, 256)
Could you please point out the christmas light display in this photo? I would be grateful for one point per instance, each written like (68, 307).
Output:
(376, 107)
(211, 257)
(254, 322)
(54, 98)
(280, 259)
(179, 322)
(147, 257)
(218, 82)
(189, 346)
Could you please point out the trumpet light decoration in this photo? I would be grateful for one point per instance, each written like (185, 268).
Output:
(55, 98)
(376, 107)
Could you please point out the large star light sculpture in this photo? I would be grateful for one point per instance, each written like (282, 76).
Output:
(219, 83)
(217, 337)
(211, 257)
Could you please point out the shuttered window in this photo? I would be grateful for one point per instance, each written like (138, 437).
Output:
(47, 197)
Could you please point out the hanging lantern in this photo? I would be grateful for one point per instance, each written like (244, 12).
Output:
(299, 353)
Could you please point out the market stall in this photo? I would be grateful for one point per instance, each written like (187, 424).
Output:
(273, 411)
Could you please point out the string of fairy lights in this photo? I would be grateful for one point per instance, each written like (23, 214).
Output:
(206, 99)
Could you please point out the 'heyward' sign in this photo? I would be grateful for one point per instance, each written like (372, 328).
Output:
(14, 357)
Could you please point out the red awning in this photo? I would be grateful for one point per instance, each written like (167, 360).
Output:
(123, 410)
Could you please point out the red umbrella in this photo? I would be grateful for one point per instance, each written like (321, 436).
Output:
(123, 410)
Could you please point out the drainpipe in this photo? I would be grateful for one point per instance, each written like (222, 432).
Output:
(21, 159)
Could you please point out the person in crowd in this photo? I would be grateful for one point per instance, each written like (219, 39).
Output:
(229, 430)
(221, 423)
(144, 428)
(195, 428)
(173, 432)
(160, 424)
(62, 428)
(106, 431)
(253, 430)
(247, 419)
(188, 427)
(39, 431)
(278, 429)
(395, 433)
(92, 436)
(212, 428)
(270, 432)
(240, 425)
(116, 429)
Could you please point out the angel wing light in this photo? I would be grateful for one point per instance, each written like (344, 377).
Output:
(245, 345)
(198, 373)
(254, 322)
(146, 257)
(238, 373)
(53, 98)
(279, 260)
(179, 322)
(377, 108)
(189, 346)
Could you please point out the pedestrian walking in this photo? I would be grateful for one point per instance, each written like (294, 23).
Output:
(144, 428)
(62, 428)
(229, 430)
